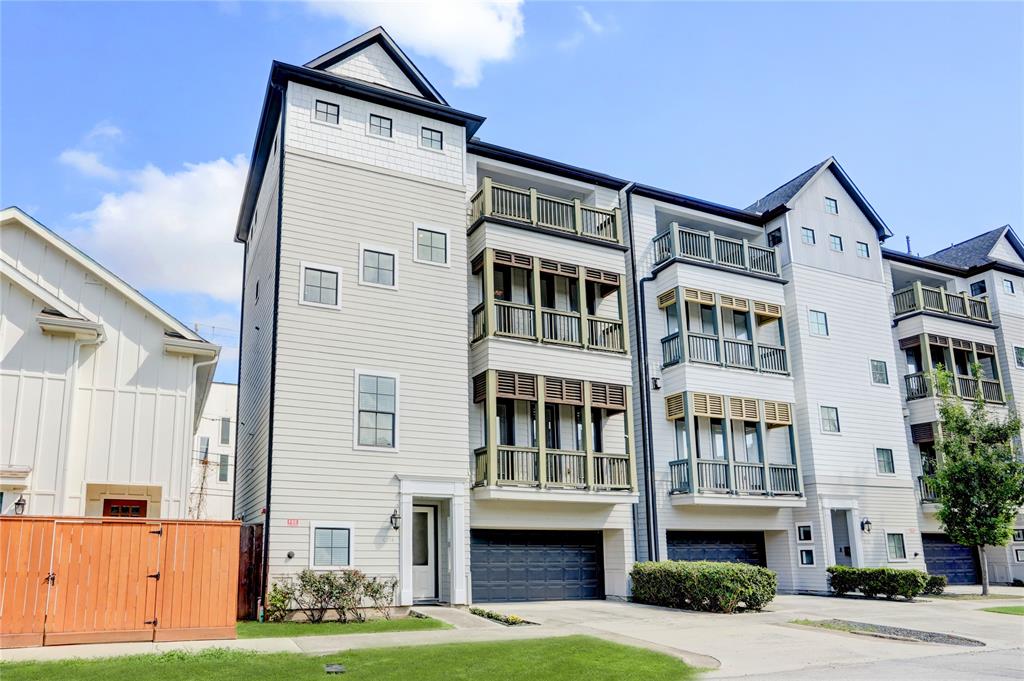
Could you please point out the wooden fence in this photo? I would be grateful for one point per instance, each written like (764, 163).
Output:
(92, 580)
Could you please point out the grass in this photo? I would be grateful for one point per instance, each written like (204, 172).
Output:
(975, 597)
(567, 658)
(1007, 610)
(279, 629)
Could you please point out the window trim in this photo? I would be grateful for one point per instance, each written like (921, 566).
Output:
(1012, 290)
(1018, 555)
(225, 420)
(306, 265)
(871, 372)
(369, 127)
(810, 530)
(892, 455)
(314, 119)
(381, 373)
(1018, 359)
(363, 247)
(829, 201)
(810, 326)
(315, 525)
(867, 248)
(425, 147)
(821, 420)
(799, 556)
(832, 243)
(814, 237)
(223, 464)
(1017, 538)
(888, 555)
(416, 227)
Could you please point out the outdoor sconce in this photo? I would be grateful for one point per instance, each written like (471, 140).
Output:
(19, 505)
(655, 383)
(865, 526)
(396, 520)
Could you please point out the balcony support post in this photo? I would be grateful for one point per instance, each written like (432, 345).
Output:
(728, 446)
(752, 327)
(491, 430)
(533, 206)
(623, 317)
(673, 228)
(691, 443)
(581, 303)
(918, 295)
(538, 314)
(489, 327)
(488, 202)
(629, 428)
(577, 211)
(617, 218)
(746, 255)
(712, 247)
(542, 436)
(588, 435)
(926, 359)
(761, 447)
(794, 452)
(719, 331)
(683, 309)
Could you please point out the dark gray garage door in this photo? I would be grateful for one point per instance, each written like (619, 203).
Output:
(519, 565)
(722, 547)
(943, 557)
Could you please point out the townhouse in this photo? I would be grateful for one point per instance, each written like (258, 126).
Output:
(213, 456)
(496, 376)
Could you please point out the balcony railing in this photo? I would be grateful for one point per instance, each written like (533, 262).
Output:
(692, 244)
(605, 334)
(712, 476)
(917, 298)
(919, 385)
(560, 327)
(514, 319)
(530, 207)
(773, 359)
(925, 490)
(704, 348)
(748, 478)
(671, 350)
(739, 353)
(611, 471)
(566, 469)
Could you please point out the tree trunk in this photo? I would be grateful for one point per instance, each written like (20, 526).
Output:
(984, 570)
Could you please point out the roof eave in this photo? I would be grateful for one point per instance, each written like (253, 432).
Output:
(546, 165)
(685, 201)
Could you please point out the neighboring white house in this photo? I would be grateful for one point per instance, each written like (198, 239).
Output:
(101, 389)
(213, 456)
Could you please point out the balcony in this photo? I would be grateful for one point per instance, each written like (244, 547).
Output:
(565, 469)
(919, 298)
(925, 491)
(750, 481)
(919, 386)
(708, 247)
(529, 207)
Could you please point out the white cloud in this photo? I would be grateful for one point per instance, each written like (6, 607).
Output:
(462, 35)
(172, 232)
(589, 21)
(104, 130)
(590, 26)
(88, 163)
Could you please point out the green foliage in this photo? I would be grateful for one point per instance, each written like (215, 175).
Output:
(279, 600)
(314, 593)
(348, 595)
(381, 592)
(703, 585)
(510, 620)
(935, 586)
(887, 582)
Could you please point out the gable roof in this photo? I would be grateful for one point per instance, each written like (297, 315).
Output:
(783, 194)
(380, 37)
(974, 252)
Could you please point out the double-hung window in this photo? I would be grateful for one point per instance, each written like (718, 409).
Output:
(807, 235)
(222, 468)
(879, 372)
(1008, 286)
(377, 410)
(431, 139)
(1018, 354)
(831, 206)
(830, 419)
(204, 447)
(835, 242)
(225, 430)
(863, 250)
(896, 546)
(320, 286)
(330, 547)
(818, 322)
(884, 461)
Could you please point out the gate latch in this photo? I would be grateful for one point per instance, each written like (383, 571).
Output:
(159, 531)
(155, 575)
(50, 578)
(152, 621)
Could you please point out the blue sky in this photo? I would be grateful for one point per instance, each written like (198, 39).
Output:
(127, 126)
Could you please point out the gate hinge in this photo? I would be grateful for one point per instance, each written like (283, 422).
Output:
(155, 575)
(159, 531)
(152, 621)
(50, 578)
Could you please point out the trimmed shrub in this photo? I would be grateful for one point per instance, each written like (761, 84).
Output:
(935, 585)
(348, 595)
(279, 600)
(872, 582)
(314, 593)
(703, 585)
(381, 592)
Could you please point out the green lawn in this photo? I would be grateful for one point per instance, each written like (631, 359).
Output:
(571, 658)
(278, 629)
(975, 597)
(1007, 609)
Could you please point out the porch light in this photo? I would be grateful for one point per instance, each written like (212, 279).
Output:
(865, 526)
(19, 505)
(396, 520)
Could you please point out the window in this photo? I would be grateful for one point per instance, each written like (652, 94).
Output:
(380, 126)
(682, 440)
(257, 292)
(775, 237)
(431, 246)
(863, 250)
(803, 533)
(432, 139)
(204, 447)
(1008, 286)
(897, 548)
(806, 557)
(377, 268)
(222, 468)
(829, 419)
(884, 462)
(1019, 555)
(831, 206)
(818, 322)
(1018, 354)
(1018, 535)
(879, 372)
(225, 430)
(707, 321)
(751, 444)
(807, 235)
(320, 286)
(978, 288)
(330, 546)
(835, 242)
(377, 408)
(326, 112)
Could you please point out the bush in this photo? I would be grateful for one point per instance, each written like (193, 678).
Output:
(872, 582)
(348, 595)
(279, 600)
(314, 593)
(935, 585)
(381, 592)
(703, 585)
(510, 620)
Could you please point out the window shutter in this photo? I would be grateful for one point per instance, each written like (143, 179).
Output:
(922, 432)
(667, 298)
(985, 348)
(513, 259)
(480, 387)
(777, 413)
(608, 395)
(675, 407)
(516, 386)
(743, 409)
(733, 303)
(526, 386)
(706, 404)
(563, 390)
(695, 295)
(478, 264)
(938, 340)
(555, 267)
(961, 344)
(767, 309)
(602, 276)
(912, 342)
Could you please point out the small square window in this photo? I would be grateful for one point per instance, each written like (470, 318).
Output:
(803, 533)
(830, 419)
(807, 235)
(863, 250)
(380, 126)
(807, 557)
(320, 286)
(896, 546)
(835, 242)
(978, 288)
(1018, 534)
(432, 139)
(774, 237)
(884, 462)
(332, 547)
(1008, 286)
(326, 112)
(879, 372)
(431, 246)
(1019, 555)
(818, 322)
(378, 268)
(1018, 353)
(831, 206)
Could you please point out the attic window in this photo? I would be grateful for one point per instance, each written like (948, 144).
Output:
(978, 288)
(380, 126)
(775, 237)
(432, 139)
(326, 112)
(831, 206)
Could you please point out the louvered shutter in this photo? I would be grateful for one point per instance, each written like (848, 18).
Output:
(706, 404)
(563, 390)
(764, 309)
(743, 409)
(608, 395)
(480, 387)
(675, 407)
(777, 413)
(695, 295)
(733, 303)
(922, 432)
(667, 298)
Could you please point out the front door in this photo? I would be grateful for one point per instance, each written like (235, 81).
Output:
(841, 538)
(424, 553)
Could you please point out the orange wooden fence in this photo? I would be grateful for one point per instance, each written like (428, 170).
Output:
(91, 580)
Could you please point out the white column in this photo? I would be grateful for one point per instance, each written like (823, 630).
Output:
(405, 550)
(458, 538)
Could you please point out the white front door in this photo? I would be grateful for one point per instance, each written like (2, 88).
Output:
(424, 553)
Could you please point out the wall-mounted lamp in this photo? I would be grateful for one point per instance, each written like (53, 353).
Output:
(396, 520)
(19, 505)
(865, 525)
(655, 383)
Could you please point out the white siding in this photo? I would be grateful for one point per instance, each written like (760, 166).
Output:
(209, 497)
(373, 65)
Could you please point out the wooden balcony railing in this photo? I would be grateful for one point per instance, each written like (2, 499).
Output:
(560, 327)
(671, 350)
(692, 244)
(739, 353)
(514, 319)
(773, 359)
(925, 490)
(611, 471)
(783, 478)
(566, 469)
(712, 475)
(530, 207)
(605, 334)
(748, 478)
(703, 348)
(679, 472)
(517, 320)
(919, 385)
(917, 298)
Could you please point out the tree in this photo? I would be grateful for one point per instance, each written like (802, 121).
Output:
(980, 482)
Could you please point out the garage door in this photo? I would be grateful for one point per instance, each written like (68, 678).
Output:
(517, 565)
(943, 557)
(721, 547)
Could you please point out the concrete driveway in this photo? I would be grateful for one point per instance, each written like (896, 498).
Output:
(763, 645)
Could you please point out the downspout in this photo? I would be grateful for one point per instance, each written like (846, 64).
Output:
(647, 438)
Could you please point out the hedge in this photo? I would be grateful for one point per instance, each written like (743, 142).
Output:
(887, 582)
(703, 585)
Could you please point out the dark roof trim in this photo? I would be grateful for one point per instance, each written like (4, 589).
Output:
(699, 204)
(380, 37)
(544, 230)
(869, 212)
(269, 117)
(545, 165)
(945, 268)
